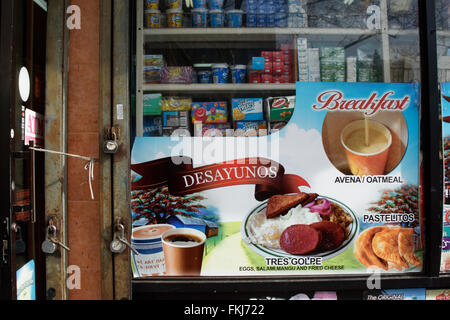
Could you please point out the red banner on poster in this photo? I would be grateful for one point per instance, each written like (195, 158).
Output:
(268, 176)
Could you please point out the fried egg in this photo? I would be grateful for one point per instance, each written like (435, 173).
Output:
(266, 232)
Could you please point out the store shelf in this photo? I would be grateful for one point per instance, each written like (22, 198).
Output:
(443, 33)
(250, 34)
(245, 87)
(403, 32)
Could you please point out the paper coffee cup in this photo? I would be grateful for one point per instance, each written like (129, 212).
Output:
(147, 241)
(183, 251)
(366, 160)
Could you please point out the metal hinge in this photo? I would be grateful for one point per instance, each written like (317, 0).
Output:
(4, 232)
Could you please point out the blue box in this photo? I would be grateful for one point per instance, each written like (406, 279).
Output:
(176, 119)
(258, 63)
(247, 109)
(152, 126)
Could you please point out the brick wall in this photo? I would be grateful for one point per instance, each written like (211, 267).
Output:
(83, 139)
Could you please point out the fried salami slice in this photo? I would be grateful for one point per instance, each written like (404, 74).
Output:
(281, 204)
(332, 235)
(300, 239)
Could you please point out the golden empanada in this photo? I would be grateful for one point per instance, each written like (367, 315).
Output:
(396, 266)
(406, 247)
(364, 252)
(385, 246)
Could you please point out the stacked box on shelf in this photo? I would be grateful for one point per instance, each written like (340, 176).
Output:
(351, 69)
(277, 67)
(313, 65)
(175, 122)
(152, 126)
(278, 111)
(332, 64)
(288, 60)
(302, 59)
(210, 118)
(251, 128)
(177, 75)
(255, 70)
(213, 130)
(153, 65)
(267, 13)
(369, 67)
(152, 121)
(248, 116)
(281, 13)
(152, 104)
(297, 17)
(175, 115)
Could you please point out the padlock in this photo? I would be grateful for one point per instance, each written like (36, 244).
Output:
(119, 243)
(21, 246)
(48, 246)
(117, 246)
(111, 145)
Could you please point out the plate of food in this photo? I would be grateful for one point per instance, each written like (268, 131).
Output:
(304, 224)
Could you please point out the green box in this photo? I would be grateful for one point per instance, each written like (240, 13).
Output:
(280, 108)
(152, 104)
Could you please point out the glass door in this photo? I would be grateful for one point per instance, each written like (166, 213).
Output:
(24, 224)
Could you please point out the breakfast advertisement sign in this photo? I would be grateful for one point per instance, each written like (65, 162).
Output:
(335, 191)
(445, 103)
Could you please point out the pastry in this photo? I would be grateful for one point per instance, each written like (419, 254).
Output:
(406, 247)
(385, 246)
(364, 252)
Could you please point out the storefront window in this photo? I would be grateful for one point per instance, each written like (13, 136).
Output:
(255, 123)
(443, 55)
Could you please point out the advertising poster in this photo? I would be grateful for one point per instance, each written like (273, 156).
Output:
(445, 103)
(26, 285)
(396, 294)
(334, 191)
(441, 294)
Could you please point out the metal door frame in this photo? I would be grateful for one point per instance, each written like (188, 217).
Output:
(115, 169)
(56, 139)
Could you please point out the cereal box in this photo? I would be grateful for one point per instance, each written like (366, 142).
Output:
(175, 118)
(247, 109)
(251, 128)
(152, 74)
(210, 112)
(152, 104)
(153, 60)
(280, 108)
(213, 130)
(152, 126)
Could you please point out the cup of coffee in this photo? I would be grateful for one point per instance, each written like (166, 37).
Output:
(183, 251)
(366, 144)
(147, 241)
